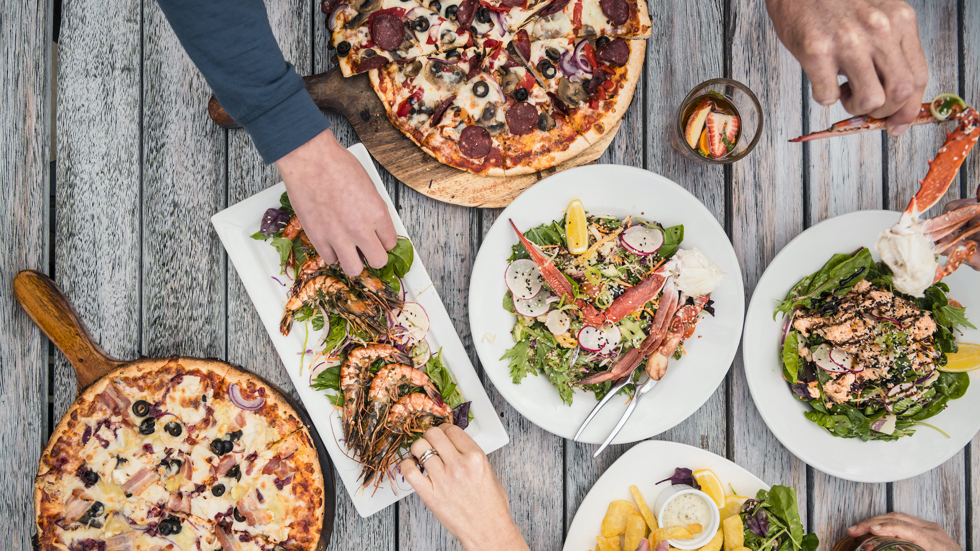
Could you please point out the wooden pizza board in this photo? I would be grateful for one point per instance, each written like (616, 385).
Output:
(354, 98)
(48, 307)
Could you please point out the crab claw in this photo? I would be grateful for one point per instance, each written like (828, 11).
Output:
(551, 275)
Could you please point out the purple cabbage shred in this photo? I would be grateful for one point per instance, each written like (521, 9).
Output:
(682, 476)
(273, 221)
(461, 415)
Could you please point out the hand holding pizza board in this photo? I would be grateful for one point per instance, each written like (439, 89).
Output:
(356, 101)
(48, 307)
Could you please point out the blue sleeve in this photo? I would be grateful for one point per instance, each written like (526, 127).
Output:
(232, 45)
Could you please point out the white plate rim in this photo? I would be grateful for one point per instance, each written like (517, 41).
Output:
(733, 283)
(235, 224)
(877, 471)
(643, 458)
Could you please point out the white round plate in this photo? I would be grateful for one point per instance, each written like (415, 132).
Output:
(615, 190)
(848, 458)
(644, 465)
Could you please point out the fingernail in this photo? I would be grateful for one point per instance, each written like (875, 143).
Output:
(899, 130)
(852, 528)
(876, 527)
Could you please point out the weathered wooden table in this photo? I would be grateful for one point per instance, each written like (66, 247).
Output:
(123, 226)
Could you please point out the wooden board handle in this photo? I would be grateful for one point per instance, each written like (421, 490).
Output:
(326, 89)
(44, 302)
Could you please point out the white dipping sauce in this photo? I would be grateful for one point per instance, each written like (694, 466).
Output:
(686, 509)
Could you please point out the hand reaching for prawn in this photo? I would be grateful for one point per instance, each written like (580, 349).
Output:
(927, 535)
(338, 205)
(973, 261)
(462, 491)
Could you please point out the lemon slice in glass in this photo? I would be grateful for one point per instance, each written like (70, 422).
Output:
(576, 228)
(711, 485)
(967, 358)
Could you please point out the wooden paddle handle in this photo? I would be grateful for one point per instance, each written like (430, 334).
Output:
(326, 89)
(44, 302)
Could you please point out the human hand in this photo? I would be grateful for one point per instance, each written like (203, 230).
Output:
(462, 491)
(973, 261)
(874, 43)
(927, 535)
(337, 203)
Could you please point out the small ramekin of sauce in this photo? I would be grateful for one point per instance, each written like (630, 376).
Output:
(681, 505)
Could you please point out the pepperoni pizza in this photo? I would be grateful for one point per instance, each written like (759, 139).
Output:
(496, 87)
(180, 453)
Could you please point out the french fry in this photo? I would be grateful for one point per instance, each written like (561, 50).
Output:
(636, 530)
(734, 532)
(695, 528)
(614, 523)
(644, 509)
(675, 533)
(715, 543)
(742, 549)
(607, 544)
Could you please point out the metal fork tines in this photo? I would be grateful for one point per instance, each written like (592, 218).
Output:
(643, 386)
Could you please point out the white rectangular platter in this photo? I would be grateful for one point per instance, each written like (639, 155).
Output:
(257, 265)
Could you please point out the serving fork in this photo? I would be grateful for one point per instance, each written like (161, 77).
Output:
(644, 385)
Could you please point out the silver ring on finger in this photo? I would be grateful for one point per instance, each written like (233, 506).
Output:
(429, 453)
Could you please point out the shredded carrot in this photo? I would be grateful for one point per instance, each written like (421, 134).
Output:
(659, 264)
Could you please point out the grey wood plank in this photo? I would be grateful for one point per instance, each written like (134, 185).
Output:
(532, 466)
(940, 494)
(767, 211)
(845, 175)
(183, 185)
(970, 50)
(25, 145)
(671, 72)
(97, 204)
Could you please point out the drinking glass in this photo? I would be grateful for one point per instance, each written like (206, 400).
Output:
(870, 542)
(749, 112)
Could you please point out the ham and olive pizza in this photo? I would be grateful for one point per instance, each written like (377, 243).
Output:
(496, 87)
(179, 454)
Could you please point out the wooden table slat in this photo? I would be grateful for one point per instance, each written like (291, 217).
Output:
(25, 143)
(970, 50)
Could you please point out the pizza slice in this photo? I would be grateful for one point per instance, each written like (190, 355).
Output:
(376, 32)
(416, 94)
(590, 81)
(592, 18)
(537, 136)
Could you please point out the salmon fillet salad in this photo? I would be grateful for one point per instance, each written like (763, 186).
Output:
(867, 358)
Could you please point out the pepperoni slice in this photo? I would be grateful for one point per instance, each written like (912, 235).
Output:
(476, 65)
(615, 53)
(437, 114)
(374, 62)
(553, 8)
(475, 142)
(513, 3)
(618, 11)
(522, 118)
(387, 31)
(522, 44)
(327, 6)
(466, 13)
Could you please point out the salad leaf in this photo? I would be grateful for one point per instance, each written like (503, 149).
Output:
(772, 522)
(758, 523)
(338, 333)
(401, 257)
(519, 359)
(443, 380)
(672, 240)
(329, 379)
(284, 246)
(273, 222)
(544, 235)
(837, 276)
(955, 316)
(953, 385)
(683, 475)
(791, 357)
(509, 302)
(461, 415)
(285, 204)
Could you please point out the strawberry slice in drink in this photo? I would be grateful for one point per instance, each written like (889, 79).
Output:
(722, 130)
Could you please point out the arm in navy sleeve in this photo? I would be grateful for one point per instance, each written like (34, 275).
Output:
(232, 45)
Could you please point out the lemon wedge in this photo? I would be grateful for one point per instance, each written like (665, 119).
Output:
(967, 358)
(733, 505)
(576, 228)
(711, 485)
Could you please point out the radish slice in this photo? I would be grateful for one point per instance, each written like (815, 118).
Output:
(413, 318)
(821, 356)
(613, 336)
(533, 308)
(403, 336)
(886, 424)
(643, 240)
(557, 322)
(842, 359)
(523, 279)
(421, 353)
